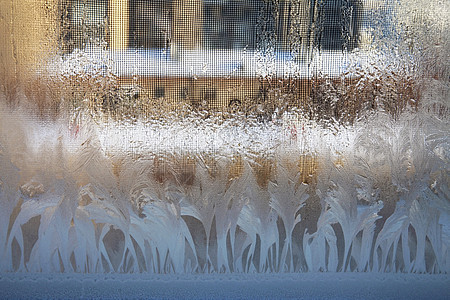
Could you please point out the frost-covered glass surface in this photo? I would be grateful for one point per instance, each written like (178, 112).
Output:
(224, 136)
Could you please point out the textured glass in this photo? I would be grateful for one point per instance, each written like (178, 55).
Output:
(224, 136)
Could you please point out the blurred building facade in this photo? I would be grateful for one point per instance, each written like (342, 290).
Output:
(224, 24)
(177, 26)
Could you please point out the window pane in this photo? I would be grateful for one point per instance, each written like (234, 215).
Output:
(150, 23)
(227, 137)
(84, 23)
(231, 24)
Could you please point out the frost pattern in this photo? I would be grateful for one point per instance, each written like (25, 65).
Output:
(378, 202)
(356, 178)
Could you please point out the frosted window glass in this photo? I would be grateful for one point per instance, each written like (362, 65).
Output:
(224, 136)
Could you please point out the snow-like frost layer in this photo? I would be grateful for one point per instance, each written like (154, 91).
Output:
(226, 286)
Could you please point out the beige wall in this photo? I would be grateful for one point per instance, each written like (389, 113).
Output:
(188, 24)
(119, 23)
(28, 32)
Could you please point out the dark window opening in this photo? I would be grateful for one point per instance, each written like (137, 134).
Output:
(150, 23)
(83, 23)
(338, 24)
(160, 92)
(231, 24)
(209, 94)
